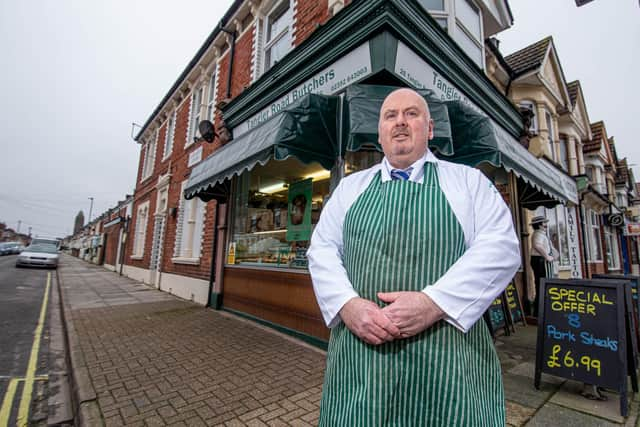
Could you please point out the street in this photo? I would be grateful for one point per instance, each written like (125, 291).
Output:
(24, 341)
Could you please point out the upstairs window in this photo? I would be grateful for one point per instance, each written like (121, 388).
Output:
(278, 40)
(551, 131)
(168, 140)
(528, 105)
(563, 156)
(149, 158)
(468, 30)
(211, 100)
(196, 115)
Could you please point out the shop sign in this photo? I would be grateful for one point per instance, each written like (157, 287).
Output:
(632, 229)
(575, 262)
(421, 75)
(195, 156)
(347, 70)
(299, 205)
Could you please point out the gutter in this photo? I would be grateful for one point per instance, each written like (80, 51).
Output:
(203, 49)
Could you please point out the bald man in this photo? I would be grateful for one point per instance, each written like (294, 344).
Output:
(405, 259)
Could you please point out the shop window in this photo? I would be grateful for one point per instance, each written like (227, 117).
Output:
(149, 157)
(278, 40)
(595, 247)
(211, 100)
(195, 116)
(611, 243)
(361, 160)
(274, 211)
(168, 139)
(557, 231)
(189, 230)
(140, 230)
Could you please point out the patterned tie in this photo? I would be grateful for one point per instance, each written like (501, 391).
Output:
(401, 174)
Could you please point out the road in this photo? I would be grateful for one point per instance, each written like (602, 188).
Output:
(24, 341)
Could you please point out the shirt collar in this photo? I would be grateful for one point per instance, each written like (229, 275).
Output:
(417, 173)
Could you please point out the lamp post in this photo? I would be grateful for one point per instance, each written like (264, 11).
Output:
(90, 209)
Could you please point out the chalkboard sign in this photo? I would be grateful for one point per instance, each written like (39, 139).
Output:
(513, 303)
(582, 333)
(496, 315)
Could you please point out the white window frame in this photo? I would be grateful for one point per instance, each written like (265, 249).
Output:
(548, 117)
(611, 243)
(189, 230)
(150, 157)
(169, 136)
(287, 31)
(140, 233)
(594, 227)
(563, 153)
(211, 98)
(195, 115)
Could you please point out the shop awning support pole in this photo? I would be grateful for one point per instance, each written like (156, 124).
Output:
(214, 253)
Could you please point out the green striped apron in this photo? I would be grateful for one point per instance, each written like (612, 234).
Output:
(402, 236)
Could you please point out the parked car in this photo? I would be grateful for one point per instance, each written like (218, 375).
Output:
(39, 255)
(10, 248)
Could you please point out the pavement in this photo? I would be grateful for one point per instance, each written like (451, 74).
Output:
(141, 357)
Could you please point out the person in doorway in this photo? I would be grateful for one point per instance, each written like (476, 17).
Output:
(405, 259)
(543, 254)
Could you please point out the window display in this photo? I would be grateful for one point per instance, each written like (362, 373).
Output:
(274, 211)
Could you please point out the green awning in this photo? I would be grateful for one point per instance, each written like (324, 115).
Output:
(363, 103)
(477, 139)
(305, 129)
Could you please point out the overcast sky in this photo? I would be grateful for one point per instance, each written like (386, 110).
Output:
(76, 74)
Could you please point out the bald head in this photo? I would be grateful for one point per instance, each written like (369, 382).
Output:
(405, 127)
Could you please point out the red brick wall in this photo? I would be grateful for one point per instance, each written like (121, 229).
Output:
(241, 67)
(309, 14)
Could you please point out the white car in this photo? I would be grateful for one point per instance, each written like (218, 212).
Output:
(39, 255)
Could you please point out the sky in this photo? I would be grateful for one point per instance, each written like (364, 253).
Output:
(76, 74)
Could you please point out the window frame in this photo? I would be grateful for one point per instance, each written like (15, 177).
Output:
(195, 113)
(140, 232)
(189, 236)
(594, 240)
(530, 105)
(169, 136)
(211, 98)
(148, 164)
(269, 42)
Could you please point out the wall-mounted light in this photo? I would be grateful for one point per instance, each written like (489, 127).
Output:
(275, 188)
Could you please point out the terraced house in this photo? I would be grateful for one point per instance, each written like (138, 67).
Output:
(293, 89)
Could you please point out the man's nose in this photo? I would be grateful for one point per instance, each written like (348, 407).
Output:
(401, 120)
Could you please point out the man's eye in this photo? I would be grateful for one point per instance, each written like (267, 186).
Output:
(390, 115)
(412, 113)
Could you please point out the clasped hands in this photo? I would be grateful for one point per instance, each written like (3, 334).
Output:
(407, 314)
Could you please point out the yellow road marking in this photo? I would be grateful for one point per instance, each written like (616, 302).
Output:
(27, 390)
(5, 411)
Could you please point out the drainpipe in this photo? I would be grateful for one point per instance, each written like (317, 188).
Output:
(214, 253)
(231, 53)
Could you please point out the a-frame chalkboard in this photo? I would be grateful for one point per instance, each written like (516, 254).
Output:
(582, 333)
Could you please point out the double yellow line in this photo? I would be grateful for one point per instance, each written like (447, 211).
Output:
(30, 377)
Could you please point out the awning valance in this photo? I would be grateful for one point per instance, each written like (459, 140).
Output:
(305, 129)
(477, 139)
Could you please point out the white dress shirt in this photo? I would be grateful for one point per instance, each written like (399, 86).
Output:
(467, 289)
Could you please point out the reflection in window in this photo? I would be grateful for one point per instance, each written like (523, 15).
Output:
(274, 211)
(361, 160)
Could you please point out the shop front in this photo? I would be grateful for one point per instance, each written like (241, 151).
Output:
(312, 120)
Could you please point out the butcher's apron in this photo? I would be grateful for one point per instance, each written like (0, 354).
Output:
(403, 236)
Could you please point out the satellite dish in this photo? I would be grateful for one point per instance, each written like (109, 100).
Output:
(207, 130)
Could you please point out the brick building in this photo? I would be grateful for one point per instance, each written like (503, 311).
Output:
(296, 84)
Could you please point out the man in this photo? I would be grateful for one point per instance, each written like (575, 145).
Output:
(402, 270)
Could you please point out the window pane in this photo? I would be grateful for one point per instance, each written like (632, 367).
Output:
(469, 16)
(443, 23)
(564, 159)
(278, 50)
(262, 213)
(469, 46)
(432, 4)
(279, 21)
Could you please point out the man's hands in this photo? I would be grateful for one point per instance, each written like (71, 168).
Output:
(407, 314)
(411, 312)
(365, 319)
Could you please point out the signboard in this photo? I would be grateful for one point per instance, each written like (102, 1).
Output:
(582, 334)
(347, 70)
(299, 211)
(195, 156)
(513, 304)
(632, 282)
(632, 229)
(575, 261)
(497, 315)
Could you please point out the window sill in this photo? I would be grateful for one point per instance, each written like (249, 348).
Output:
(188, 261)
(137, 257)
